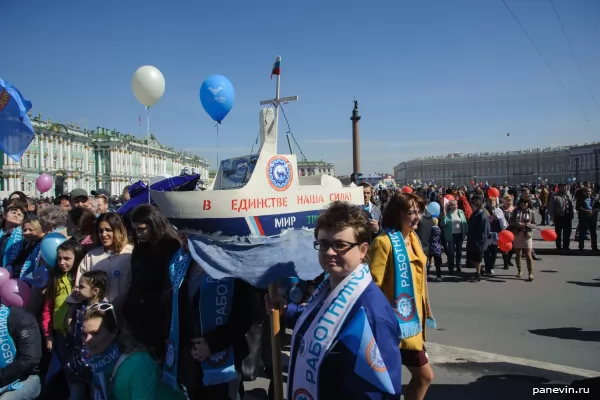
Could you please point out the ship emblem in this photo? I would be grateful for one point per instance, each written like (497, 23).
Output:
(279, 173)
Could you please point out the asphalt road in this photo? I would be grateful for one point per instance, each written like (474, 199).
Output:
(504, 337)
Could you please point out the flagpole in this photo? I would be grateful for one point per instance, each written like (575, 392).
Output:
(273, 288)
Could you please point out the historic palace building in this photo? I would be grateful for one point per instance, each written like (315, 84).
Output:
(557, 164)
(91, 159)
(306, 168)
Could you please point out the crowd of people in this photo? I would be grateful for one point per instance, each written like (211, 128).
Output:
(128, 314)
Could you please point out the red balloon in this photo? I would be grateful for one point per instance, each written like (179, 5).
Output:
(472, 182)
(506, 237)
(505, 246)
(406, 189)
(548, 235)
(493, 192)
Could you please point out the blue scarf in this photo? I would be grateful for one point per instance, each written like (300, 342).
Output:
(32, 261)
(404, 305)
(102, 366)
(13, 247)
(215, 307)
(177, 271)
(9, 351)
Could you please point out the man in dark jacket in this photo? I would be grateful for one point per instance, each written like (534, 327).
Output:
(21, 353)
(477, 236)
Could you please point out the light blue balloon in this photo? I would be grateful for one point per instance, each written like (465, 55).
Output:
(434, 209)
(217, 96)
(50, 244)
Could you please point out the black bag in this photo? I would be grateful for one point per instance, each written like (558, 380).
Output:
(252, 365)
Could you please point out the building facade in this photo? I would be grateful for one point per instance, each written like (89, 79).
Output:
(306, 168)
(89, 159)
(556, 164)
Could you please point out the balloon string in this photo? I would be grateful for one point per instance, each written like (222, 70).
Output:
(217, 126)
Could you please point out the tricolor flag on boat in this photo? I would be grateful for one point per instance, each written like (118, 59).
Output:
(276, 67)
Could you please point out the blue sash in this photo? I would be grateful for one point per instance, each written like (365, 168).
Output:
(9, 351)
(32, 261)
(13, 248)
(404, 305)
(215, 307)
(102, 366)
(177, 271)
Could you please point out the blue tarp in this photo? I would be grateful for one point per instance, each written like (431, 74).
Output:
(258, 260)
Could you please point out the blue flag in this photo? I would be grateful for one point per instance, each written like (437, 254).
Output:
(16, 132)
(359, 339)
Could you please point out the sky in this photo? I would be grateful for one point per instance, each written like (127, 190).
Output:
(432, 77)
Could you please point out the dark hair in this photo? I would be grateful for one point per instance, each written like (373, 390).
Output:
(60, 198)
(341, 215)
(525, 200)
(158, 224)
(118, 227)
(400, 203)
(78, 253)
(21, 195)
(125, 342)
(97, 280)
(84, 219)
(17, 203)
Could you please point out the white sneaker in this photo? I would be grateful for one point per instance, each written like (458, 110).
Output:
(492, 271)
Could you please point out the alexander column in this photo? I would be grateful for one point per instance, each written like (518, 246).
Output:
(355, 142)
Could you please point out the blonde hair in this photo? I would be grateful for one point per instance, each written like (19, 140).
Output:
(435, 221)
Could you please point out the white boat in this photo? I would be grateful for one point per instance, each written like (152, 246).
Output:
(257, 195)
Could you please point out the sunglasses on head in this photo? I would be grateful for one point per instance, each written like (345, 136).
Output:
(104, 307)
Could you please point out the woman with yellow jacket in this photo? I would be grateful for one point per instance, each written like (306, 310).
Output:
(398, 267)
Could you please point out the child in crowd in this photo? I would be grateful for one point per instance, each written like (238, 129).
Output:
(91, 290)
(54, 315)
(435, 250)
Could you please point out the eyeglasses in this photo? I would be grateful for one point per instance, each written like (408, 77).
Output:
(339, 246)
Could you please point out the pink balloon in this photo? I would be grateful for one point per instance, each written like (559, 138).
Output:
(4, 276)
(43, 183)
(15, 292)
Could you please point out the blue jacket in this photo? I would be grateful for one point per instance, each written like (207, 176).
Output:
(337, 379)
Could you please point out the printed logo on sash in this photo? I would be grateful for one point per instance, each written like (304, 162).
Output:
(404, 307)
(302, 394)
(374, 358)
(170, 356)
(219, 359)
(302, 348)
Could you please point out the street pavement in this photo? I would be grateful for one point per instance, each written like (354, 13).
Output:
(504, 337)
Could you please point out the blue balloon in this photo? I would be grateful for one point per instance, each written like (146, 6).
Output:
(217, 96)
(50, 244)
(434, 209)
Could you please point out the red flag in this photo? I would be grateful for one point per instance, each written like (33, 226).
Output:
(276, 69)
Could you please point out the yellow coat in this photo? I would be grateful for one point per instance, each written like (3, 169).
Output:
(381, 262)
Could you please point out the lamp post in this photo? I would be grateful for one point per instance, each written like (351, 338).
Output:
(596, 152)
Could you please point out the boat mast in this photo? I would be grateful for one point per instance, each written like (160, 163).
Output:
(277, 100)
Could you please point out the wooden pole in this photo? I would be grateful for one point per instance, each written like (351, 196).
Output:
(276, 346)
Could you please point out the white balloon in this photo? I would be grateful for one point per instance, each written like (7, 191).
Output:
(148, 85)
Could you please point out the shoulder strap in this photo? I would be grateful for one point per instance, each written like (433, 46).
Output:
(122, 358)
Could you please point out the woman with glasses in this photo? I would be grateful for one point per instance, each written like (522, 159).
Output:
(345, 340)
(398, 266)
(121, 368)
